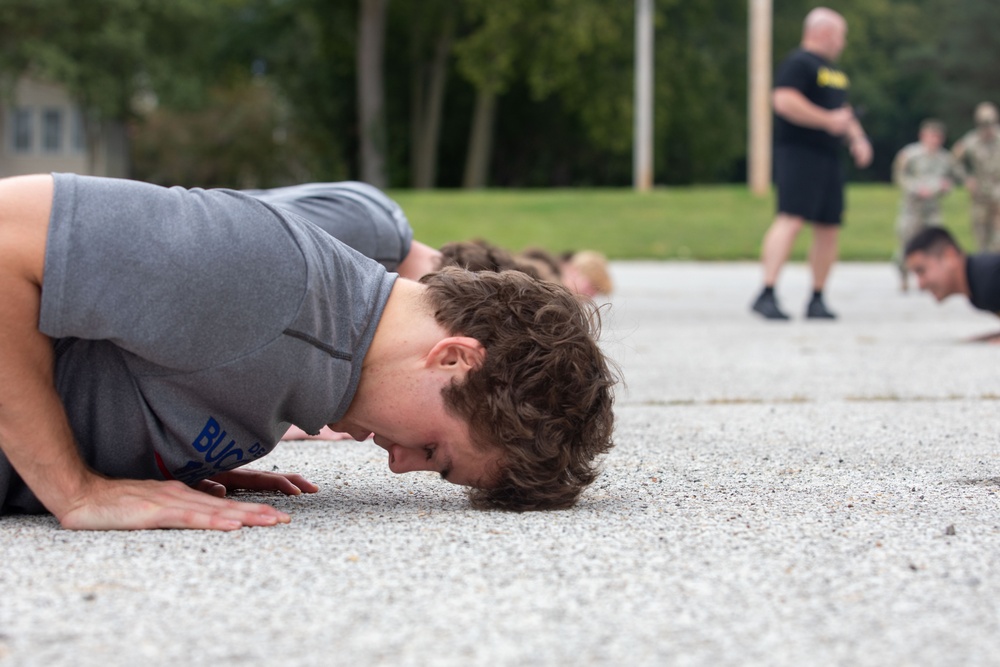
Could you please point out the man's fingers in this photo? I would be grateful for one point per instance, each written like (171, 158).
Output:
(260, 480)
(131, 505)
(211, 488)
(202, 519)
(303, 484)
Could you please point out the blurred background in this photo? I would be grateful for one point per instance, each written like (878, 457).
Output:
(444, 93)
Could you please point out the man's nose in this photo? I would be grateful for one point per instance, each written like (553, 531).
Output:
(409, 460)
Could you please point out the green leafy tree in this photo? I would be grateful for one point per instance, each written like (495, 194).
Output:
(960, 52)
(306, 50)
(576, 58)
(429, 29)
(107, 52)
(238, 139)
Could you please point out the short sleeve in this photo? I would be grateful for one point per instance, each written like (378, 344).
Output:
(356, 214)
(182, 278)
(795, 73)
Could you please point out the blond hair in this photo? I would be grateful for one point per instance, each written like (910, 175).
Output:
(594, 267)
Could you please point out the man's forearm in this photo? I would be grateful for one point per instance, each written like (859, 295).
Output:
(855, 132)
(959, 172)
(36, 437)
(796, 108)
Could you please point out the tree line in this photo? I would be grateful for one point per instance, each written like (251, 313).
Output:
(469, 93)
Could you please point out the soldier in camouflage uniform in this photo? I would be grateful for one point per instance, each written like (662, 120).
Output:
(923, 170)
(977, 162)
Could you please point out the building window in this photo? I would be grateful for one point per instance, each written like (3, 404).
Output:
(21, 130)
(52, 130)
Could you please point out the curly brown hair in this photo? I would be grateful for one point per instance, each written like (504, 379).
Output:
(543, 393)
(479, 255)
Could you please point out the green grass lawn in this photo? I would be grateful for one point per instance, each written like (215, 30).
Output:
(721, 222)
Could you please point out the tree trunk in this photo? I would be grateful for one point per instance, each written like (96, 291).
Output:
(477, 162)
(371, 96)
(428, 114)
(417, 97)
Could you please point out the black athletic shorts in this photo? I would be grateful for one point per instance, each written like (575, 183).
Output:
(810, 184)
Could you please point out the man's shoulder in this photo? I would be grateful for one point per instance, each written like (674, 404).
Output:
(985, 261)
(966, 139)
(983, 274)
(983, 271)
(800, 54)
(796, 71)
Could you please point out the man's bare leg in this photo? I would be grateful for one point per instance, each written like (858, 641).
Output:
(775, 249)
(777, 246)
(822, 256)
(823, 253)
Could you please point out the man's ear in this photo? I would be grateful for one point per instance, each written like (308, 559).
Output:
(460, 353)
(952, 255)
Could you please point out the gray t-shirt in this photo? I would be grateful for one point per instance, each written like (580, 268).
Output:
(192, 327)
(357, 214)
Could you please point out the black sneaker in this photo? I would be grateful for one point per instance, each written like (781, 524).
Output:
(816, 310)
(767, 305)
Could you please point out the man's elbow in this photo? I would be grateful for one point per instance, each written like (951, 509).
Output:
(782, 101)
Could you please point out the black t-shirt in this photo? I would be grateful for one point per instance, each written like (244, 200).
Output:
(822, 84)
(983, 274)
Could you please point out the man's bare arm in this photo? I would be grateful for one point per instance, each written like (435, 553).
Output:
(793, 106)
(860, 147)
(34, 431)
(421, 260)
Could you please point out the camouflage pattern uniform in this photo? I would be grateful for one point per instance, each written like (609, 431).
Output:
(924, 177)
(977, 155)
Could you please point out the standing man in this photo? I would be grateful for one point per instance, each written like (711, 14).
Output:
(812, 119)
(977, 162)
(922, 170)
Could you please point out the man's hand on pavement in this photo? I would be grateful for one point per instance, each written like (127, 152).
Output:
(124, 504)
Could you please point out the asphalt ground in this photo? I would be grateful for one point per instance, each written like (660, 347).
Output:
(821, 493)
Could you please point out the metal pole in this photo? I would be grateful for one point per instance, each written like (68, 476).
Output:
(642, 151)
(759, 103)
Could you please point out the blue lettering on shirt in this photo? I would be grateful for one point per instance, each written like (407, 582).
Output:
(219, 455)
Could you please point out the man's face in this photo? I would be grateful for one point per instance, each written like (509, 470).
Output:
(939, 274)
(420, 433)
(442, 445)
(838, 40)
(931, 138)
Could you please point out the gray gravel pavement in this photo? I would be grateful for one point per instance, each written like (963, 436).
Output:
(781, 494)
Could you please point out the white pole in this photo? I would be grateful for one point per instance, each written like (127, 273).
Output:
(759, 103)
(642, 151)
